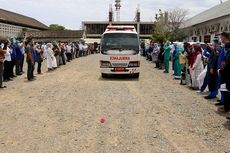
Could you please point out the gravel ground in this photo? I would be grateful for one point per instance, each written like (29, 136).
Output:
(60, 112)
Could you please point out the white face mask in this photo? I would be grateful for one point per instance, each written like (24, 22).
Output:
(2, 45)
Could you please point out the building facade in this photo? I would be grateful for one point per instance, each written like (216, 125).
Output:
(13, 24)
(50, 36)
(208, 24)
(96, 29)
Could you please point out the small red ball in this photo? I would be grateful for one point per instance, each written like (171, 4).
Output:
(102, 120)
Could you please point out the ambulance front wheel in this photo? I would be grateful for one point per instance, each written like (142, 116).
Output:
(136, 75)
(103, 75)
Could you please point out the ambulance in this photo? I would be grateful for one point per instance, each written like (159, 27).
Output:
(120, 51)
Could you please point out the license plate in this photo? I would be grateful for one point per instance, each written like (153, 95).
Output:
(119, 69)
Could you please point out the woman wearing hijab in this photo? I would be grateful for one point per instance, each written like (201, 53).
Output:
(177, 65)
(39, 58)
(167, 56)
(2, 58)
(161, 56)
(51, 60)
(196, 66)
(155, 54)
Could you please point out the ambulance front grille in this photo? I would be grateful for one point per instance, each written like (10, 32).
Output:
(119, 64)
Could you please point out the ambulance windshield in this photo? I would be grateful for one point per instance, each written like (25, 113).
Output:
(120, 42)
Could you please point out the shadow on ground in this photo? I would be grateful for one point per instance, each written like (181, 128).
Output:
(227, 125)
(118, 78)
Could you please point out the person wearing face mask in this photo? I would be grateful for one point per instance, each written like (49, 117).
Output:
(224, 72)
(196, 65)
(7, 62)
(212, 70)
(18, 58)
(156, 50)
(176, 58)
(221, 63)
(2, 58)
(29, 58)
(185, 79)
(206, 55)
(13, 56)
(22, 48)
(39, 59)
(167, 56)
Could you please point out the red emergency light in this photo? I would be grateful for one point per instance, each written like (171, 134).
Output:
(125, 28)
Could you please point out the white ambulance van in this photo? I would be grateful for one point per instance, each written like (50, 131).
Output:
(120, 51)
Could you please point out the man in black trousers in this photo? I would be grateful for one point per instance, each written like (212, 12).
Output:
(29, 59)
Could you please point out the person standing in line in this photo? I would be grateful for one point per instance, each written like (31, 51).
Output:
(173, 58)
(22, 48)
(161, 56)
(172, 53)
(224, 72)
(225, 38)
(35, 60)
(143, 48)
(44, 47)
(68, 52)
(177, 66)
(73, 51)
(155, 55)
(2, 58)
(56, 53)
(151, 45)
(39, 58)
(186, 78)
(49, 57)
(29, 59)
(7, 62)
(77, 49)
(81, 49)
(206, 55)
(60, 54)
(13, 57)
(197, 67)
(51, 60)
(85, 47)
(167, 57)
(18, 58)
(63, 52)
(212, 70)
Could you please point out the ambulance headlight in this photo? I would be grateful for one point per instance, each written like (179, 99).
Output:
(105, 64)
(134, 64)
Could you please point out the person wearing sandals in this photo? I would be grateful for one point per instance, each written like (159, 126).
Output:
(2, 57)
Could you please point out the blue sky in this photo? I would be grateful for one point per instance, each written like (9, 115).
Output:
(71, 13)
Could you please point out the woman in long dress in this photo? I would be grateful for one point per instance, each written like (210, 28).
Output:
(197, 67)
(51, 60)
(156, 51)
(177, 65)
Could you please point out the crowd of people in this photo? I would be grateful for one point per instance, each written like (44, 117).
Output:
(197, 65)
(14, 54)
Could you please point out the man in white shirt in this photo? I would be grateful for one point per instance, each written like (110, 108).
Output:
(68, 52)
(81, 49)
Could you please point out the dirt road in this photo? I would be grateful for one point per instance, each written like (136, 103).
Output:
(60, 112)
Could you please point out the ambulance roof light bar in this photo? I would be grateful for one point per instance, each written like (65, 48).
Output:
(125, 28)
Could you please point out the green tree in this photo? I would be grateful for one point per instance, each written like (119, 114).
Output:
(168, 25)
(56, 27)
(160, 33)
